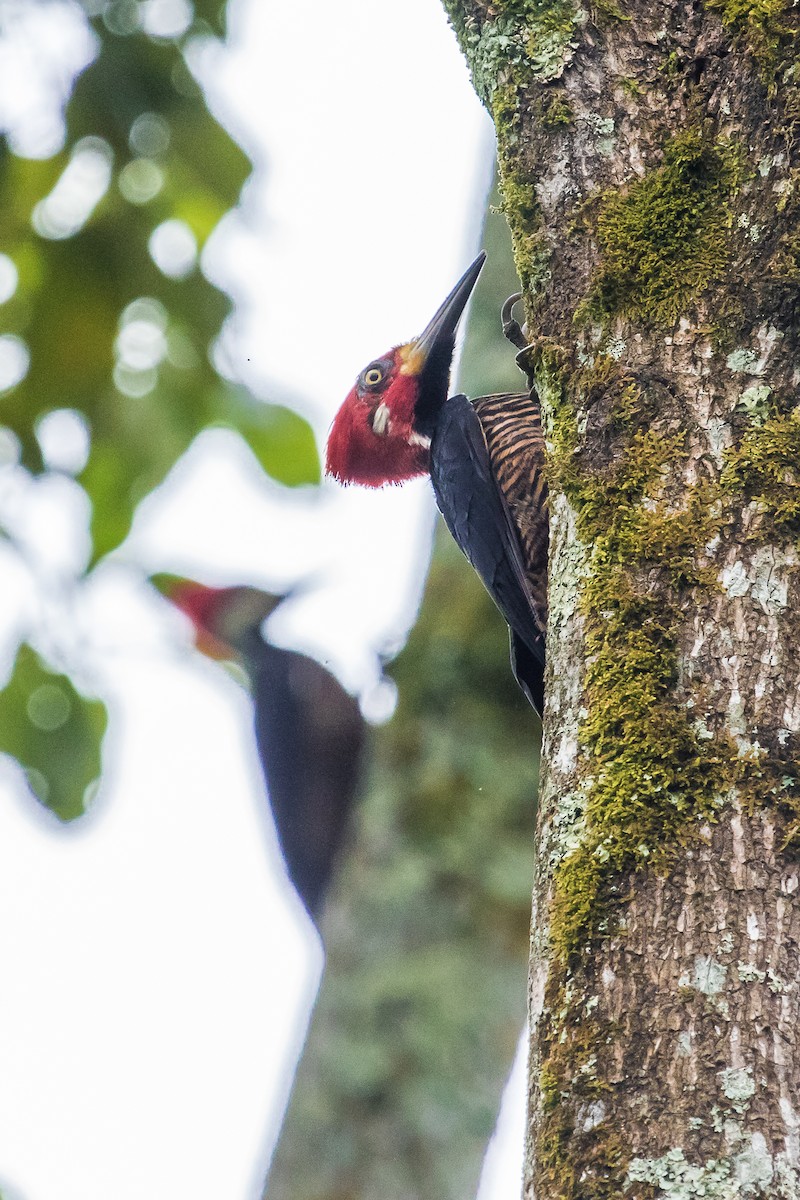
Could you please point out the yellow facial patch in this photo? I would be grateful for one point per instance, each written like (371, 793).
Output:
(412, 359)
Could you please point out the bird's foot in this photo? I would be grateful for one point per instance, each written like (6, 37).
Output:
(517, 334)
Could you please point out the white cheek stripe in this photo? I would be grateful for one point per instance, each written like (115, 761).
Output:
(380, 421)
(418, 439)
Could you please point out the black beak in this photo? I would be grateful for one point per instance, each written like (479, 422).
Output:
(432, 351)
(442, 328)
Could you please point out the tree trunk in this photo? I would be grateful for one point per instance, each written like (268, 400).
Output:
(651, 177)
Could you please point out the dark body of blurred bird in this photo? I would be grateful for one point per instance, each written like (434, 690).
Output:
(486, 462)
(309, 730)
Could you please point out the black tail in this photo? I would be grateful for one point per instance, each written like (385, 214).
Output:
(528, 668)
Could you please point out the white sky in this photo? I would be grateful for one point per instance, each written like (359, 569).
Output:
(157, 972)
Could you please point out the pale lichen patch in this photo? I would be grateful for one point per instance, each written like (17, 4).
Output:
(719, 438)
(709, 976)
(770, 578)
(567, 825)
(530, 39)
(567, 754)
(603, 130)
(765, 576)
(749, 973)
(734, 579)
(726, 942)
(754, 1166)
(591, 1116)
(750, 1173)
(790, 1118)
(738, 1086)
(685, 1047)
(786, 1180)
(681, 1180)
(744, 361)
(754, 401)
(774, 982)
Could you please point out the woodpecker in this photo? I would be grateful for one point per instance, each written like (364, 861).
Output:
(485, 458)
(309, 730)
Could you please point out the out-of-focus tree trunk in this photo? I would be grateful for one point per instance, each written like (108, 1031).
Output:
(423, 996)
(651, 176)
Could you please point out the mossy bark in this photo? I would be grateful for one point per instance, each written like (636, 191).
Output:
(650, 159)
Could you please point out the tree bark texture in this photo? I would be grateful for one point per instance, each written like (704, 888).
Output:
(651, 178)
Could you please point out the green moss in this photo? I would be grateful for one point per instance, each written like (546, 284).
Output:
(609, 9)
(573, 1165)
(586, 1163)
(768, 28)
(551, 108)
(531, 250)
(655, 774)
(764, 467)
(785, 263)
(505, 111)
(672, 65)
(653, 777)
(665, 238)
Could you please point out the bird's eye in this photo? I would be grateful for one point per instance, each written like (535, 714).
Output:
(374, 377)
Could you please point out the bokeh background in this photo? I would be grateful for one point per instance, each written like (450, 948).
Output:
(212, 216)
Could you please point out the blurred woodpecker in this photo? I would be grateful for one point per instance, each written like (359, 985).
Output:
(309, 731)
(485, 458)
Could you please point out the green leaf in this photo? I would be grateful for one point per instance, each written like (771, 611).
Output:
(282, 441)
(213, 11)
(54, 732)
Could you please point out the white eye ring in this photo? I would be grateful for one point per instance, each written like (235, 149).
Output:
(380, 421)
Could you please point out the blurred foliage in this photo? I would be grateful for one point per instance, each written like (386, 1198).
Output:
(53, 732)
(426, 933)
(145, 175)
(423, 998)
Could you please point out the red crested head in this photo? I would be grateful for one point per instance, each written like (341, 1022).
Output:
(223, 618)
(198, 602)
(382, 433)
(373, 440)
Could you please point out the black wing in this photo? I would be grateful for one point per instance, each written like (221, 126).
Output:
(310, 736)
(476, 513)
